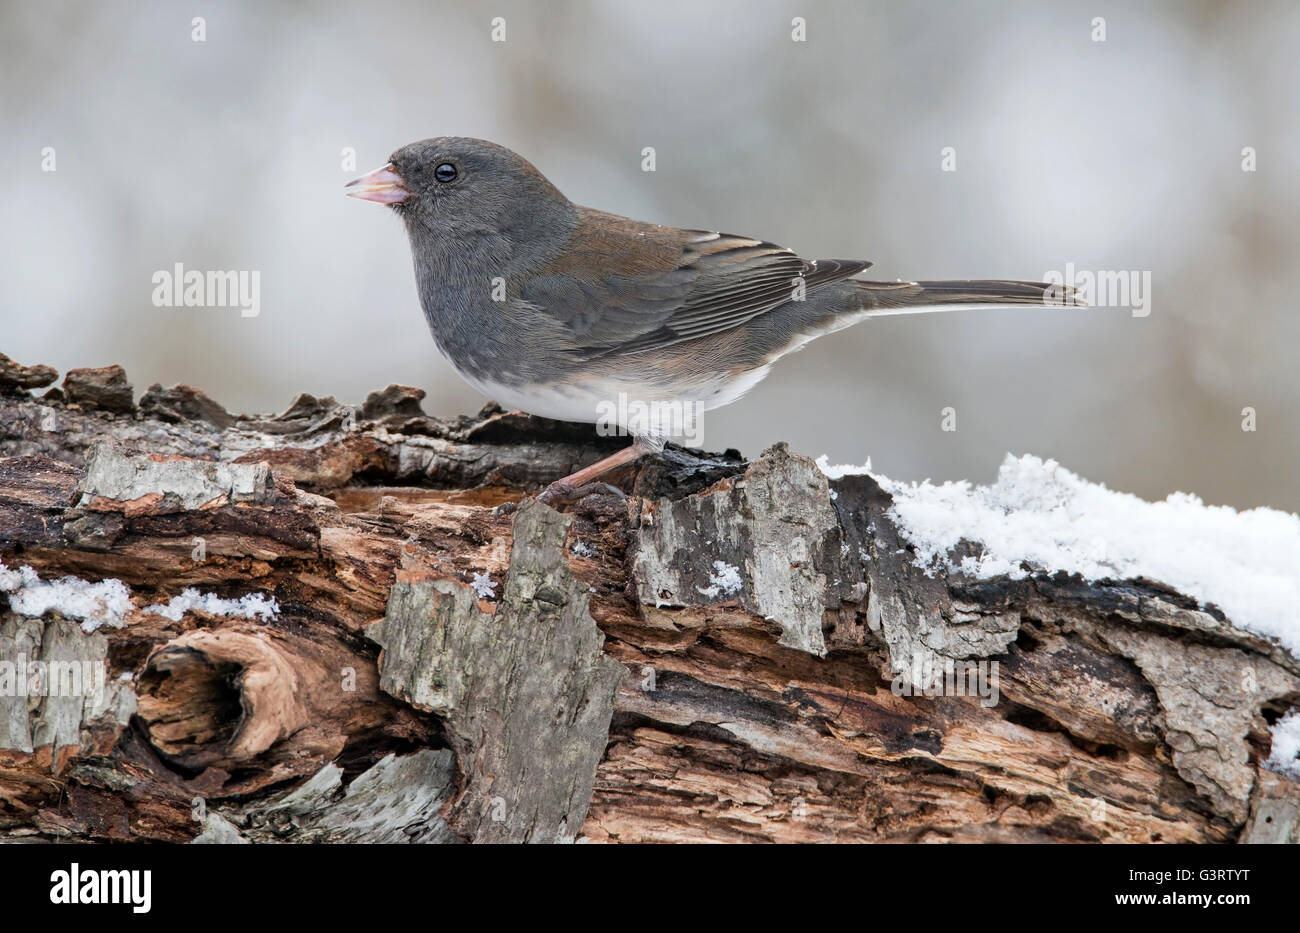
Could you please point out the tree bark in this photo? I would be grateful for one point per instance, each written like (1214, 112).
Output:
(721, 654)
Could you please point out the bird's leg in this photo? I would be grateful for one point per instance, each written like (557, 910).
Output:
(565, 489)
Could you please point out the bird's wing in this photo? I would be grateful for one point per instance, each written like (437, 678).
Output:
(626, 287)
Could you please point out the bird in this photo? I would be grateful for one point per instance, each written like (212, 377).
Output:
(562, 310)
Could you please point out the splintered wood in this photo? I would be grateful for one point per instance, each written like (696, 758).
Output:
(349, 624)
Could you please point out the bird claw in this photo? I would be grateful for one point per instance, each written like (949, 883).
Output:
(561, 492)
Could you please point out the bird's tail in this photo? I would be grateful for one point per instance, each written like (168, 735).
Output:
(913, 297)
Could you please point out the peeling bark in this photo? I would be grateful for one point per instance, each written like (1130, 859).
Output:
(726, 653)
(524, 690)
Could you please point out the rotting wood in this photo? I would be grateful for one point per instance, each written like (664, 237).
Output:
(710, 658)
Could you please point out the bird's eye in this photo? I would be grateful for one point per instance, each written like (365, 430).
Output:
(445, 172)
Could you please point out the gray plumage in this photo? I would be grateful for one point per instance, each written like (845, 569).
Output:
(551, 307)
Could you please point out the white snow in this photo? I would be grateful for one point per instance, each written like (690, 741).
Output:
(1286, 746)
(725, 580)
(93, 604)
(108, 602)
(841, 470)
(582, 549)
(252, 606)
(1037, 512)
(483, 586)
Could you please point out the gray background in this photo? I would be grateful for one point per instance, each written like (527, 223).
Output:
(1116, 155)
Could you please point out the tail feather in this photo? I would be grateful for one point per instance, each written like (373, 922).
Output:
(908, 297)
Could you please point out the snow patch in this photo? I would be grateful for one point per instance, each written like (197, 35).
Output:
(1039, 513)
(252, 606)
(841, 470)
(1286, 746)
(108, 602)
(725, 580)
(483, 586)
(92, 604)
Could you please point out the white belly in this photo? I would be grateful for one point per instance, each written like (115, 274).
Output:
(624, 406)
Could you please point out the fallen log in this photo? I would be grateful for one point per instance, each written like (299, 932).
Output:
(351, 623)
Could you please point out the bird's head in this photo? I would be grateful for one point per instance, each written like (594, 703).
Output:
(451, 188)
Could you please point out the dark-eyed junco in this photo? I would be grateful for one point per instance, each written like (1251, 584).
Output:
(571, 313)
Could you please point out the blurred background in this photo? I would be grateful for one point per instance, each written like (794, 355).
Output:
(1117, 155)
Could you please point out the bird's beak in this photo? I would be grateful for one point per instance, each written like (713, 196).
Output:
(382, 185)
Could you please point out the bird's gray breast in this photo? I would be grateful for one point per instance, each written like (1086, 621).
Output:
(498, 342)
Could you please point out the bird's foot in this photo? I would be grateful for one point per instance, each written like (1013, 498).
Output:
(562, 492)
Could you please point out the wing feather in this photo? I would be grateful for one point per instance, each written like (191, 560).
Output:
(703, 283)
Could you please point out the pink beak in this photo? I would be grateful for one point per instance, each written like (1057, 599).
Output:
(383, 185)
